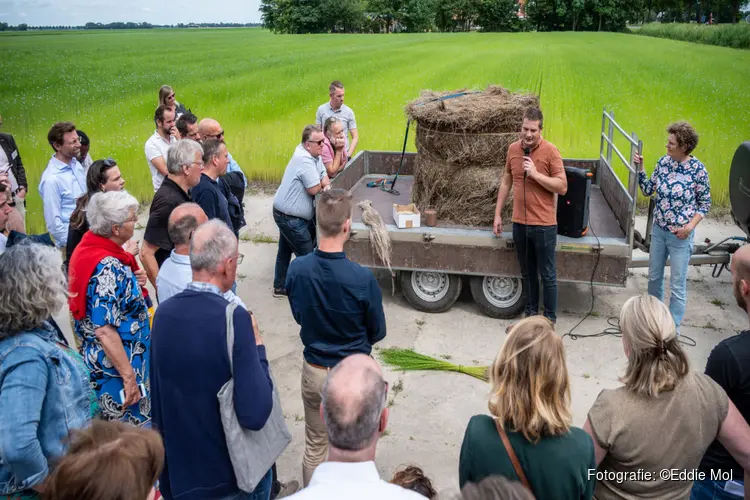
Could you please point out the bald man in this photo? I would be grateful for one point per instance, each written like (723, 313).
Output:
(208, 128)
(729, 365)
(175, 274)
(355, 413)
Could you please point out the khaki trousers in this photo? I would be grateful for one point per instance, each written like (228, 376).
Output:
(316, 436)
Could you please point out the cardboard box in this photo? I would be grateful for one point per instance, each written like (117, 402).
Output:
(406, 216)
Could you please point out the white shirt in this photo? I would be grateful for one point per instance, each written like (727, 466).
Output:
(347, 481)
(157, 146)
(3, 241)
(5, 169)
(176, 274)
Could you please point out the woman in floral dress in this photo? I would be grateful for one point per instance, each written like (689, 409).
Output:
(110, 307)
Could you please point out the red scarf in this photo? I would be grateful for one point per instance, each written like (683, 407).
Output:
(88, 254)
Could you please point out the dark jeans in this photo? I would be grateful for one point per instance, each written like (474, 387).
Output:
(261, 492)
(295, 236)
(708, 489)
(535, 247)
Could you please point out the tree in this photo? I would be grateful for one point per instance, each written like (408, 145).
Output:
(456, 15)
(385, 12)
(499, 15)
(417, 15)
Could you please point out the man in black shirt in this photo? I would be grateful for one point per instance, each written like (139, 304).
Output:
(184, 166)
(729, 366)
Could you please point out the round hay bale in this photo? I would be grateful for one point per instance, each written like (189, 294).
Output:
(461, 195)
(494, 110)
(464, 148)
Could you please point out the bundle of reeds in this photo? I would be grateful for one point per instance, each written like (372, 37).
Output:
(409, 360)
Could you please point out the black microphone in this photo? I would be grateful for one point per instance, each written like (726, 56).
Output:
(526, 152)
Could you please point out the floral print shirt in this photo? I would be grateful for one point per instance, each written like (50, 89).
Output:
(682, 190)
(114, 298)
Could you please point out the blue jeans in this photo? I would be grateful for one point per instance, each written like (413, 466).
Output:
(711, 490)
(535, 247)
(295, 236)
(665, 244)
(261, 492)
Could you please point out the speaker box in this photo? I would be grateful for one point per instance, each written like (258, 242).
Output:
(573, 207)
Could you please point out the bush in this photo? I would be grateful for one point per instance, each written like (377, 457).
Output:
(736, 36)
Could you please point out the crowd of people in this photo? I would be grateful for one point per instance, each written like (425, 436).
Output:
(136, 409)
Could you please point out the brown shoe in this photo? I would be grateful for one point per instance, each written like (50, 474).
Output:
(288, 489)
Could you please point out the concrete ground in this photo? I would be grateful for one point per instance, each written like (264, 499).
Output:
(430, 410)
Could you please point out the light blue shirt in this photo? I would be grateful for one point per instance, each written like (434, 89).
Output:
(235, 167)
(60, 187)
(176, 274)
(302, 173)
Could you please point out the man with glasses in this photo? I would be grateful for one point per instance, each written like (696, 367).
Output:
(184, 164)
(157, 145)
(339, 307)
(63, 181)
(293, 205)
(211, 129)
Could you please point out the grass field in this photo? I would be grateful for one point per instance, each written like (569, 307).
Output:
(736, 36)
(264, 88)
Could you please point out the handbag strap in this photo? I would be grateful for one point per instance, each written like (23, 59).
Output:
(230, 335)
(512, 455)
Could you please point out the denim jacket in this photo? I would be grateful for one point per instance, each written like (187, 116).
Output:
(44, 395)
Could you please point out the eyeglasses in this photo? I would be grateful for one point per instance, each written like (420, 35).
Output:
(215, 136)
(188, 165)
(240, 257)
(319, 143)
(170, 96)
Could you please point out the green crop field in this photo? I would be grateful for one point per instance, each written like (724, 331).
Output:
(264, 88)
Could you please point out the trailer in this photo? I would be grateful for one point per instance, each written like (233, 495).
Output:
(432, 263)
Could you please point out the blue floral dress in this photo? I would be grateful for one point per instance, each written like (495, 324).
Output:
(114, 298)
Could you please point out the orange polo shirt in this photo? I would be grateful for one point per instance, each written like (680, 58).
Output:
(541, 205)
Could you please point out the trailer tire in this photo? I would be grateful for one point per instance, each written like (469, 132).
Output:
(429, 291)
(498, 297)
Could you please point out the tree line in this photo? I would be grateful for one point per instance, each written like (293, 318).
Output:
(125, 26)
(391, 16)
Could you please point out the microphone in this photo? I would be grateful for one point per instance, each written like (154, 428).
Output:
(526, 152)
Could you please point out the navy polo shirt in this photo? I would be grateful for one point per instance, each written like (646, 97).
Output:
(338, 305)
(212, 200)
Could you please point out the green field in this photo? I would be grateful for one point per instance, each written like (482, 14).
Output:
(264, 88)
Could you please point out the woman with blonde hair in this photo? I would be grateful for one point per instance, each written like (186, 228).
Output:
(528, 436)
(663, 418)
(167, 98)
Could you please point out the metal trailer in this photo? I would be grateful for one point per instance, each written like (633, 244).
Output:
(432, 262)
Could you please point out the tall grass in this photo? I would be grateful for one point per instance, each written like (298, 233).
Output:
(736, 36)
(264, 88)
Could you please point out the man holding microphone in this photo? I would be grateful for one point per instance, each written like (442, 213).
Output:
(534, 169)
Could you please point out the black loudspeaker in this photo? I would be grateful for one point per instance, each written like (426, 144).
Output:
(573, 207)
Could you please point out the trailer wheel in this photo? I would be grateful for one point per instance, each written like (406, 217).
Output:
(498, 297)
(429, 291)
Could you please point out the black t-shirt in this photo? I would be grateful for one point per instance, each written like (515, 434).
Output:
(729, 366)
(166, 199)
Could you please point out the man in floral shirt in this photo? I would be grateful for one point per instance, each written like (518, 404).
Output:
(683, 198)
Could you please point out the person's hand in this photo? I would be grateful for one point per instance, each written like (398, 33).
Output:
(141, 277)
(174, 132)
(132, 395)
(327, 187)
(256, 330)
(497, 226)
(529, 167)
(339, 143)
(21, 193)
(683, 232)
(132, 247)
(638, 161)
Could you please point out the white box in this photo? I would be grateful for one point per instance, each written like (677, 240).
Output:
(406, 216)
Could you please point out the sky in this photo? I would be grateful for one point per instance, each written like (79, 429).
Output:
(79, 12)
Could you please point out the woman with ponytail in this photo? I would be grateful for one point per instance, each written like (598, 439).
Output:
(652, 432)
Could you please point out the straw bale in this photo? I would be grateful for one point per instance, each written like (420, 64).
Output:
(464, 148)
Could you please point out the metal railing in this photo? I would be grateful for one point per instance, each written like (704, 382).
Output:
(606, 148)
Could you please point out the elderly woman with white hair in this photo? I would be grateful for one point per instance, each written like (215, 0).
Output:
(660, 423)
(44, 385)
(109, 304)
